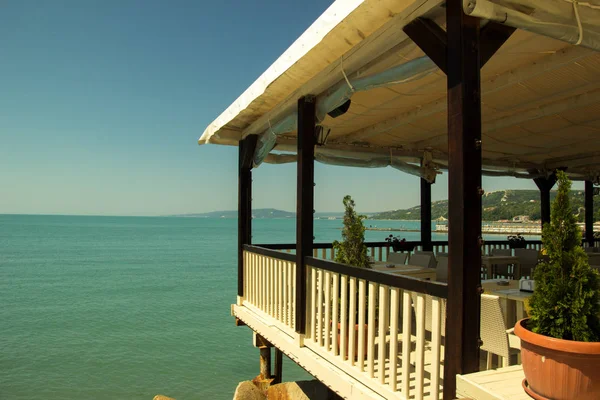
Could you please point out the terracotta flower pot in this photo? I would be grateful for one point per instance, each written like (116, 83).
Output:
(559, 369)
(365, 327)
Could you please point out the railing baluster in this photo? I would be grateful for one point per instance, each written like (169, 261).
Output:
(334, 318)
(371, 329)
(420, 347)
(362, 300)
(327, 320)
(313, 304)
(436, 342)
(284, 266)
(344, 318)
(352, 321)
(406, 342)
(383, 325)
(319, 335)
(380, 253)
(292, 278)
(394, 310)
(324, 253)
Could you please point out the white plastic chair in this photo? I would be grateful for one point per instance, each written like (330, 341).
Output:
(432, 261)
(397, 258)
(528, 259)
(421, 260)
(496, 338)
(441, 271)
(502, 269)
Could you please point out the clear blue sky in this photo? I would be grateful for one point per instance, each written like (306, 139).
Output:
(102, 102)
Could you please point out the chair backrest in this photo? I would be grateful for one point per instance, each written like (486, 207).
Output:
(501, 252)
(441, 271)
(429, 311)
(527, 256)
(433, 261)
(493, 328)
(397, 258)
(421, 260)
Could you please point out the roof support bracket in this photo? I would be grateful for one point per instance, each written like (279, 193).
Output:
(431, 38)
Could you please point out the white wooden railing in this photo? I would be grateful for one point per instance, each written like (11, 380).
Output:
(392, 348)
(269, 285)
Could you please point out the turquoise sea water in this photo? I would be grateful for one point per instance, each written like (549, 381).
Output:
(129, 307)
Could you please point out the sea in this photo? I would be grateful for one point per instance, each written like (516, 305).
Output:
(131, 307)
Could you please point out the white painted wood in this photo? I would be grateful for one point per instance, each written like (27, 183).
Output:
(335, 311)
(406, 336)
(352, 321)
(292, 278)
(327, 305)
(313, 304)
(280, 306)
(269, 286)
(310, 295)
(285, 294)
(436, 344)
(332, 254)
(383, 326)
(319, 335)
(420, 347)
(394, 311)
(371, 329)
(315, 253)
(362, 315)
(339, 380)
(498, 384)
(344, 317)
(324, 254)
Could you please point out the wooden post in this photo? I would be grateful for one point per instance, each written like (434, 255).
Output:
(304, 202)
(589, 213)
(246, 152)
(426, 215)
(265, 363)
(464, 195)
(545, 185)
(277, 376)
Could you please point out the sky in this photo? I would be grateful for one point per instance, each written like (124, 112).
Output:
(102, 103)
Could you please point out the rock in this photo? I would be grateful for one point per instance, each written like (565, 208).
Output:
(301, 390)
(162, 397)
(248, 391)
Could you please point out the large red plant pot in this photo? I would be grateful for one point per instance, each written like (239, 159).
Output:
(559, 369)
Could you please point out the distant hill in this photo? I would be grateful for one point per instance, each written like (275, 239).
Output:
(260, 213)
(499, 205)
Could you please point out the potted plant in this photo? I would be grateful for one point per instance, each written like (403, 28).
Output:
(399, 245)
(352, 251)
(516, 241)
(560, 346)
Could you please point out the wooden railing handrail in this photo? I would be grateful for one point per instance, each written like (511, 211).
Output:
(433, 288)
(270, 253)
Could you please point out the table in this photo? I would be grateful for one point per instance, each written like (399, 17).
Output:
(488, 261)
(513, 298)
(495, 384)
(414, 271)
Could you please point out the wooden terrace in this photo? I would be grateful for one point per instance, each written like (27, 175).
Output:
(471, 89)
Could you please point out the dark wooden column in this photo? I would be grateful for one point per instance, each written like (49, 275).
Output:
(304, 202)
(426, 215)
(545, 185)
(464, 195)
(246, 152)
(589, 213)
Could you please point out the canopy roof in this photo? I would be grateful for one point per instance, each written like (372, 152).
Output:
(540, 94)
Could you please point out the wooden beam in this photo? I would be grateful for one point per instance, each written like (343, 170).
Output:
(278, 374)
(431, 38)
(589, 213)
(545, 185)
(464, 195)
(305, 202)
(493, 36)
(426, 215)
(246, 150)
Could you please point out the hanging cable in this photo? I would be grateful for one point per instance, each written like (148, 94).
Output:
(579, 25)
(345, 76)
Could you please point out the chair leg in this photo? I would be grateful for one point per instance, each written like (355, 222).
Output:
(489, 361)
